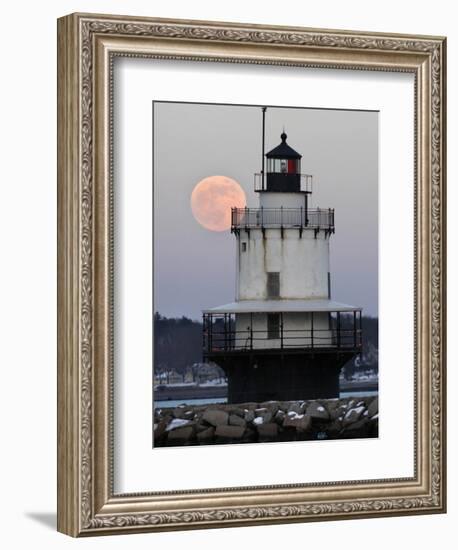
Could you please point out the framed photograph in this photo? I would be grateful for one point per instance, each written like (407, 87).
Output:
(251, 281)
(257, 369)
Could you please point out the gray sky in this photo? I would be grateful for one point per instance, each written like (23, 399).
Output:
(195, 268)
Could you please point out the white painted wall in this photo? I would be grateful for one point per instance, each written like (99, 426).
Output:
(287, 200)
(303, 263)
(300, 323)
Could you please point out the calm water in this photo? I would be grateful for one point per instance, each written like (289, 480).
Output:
(358, 393)
(175, 403)
(210, 400)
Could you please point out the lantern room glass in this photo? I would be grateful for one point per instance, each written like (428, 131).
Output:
(283, 166)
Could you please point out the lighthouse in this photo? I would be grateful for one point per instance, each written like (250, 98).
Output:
(283, 338)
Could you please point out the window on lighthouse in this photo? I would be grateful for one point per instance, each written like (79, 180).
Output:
(283, 166)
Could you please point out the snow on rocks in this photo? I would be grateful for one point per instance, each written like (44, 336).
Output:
(353, 415)
(316, 410)
(295, 406)
(263, 413)
(300, 422)
(176, 423)
(267, 421)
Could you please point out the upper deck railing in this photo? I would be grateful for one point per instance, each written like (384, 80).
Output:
(265, 218)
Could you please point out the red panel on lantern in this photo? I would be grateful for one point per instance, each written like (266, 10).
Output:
(291, 166)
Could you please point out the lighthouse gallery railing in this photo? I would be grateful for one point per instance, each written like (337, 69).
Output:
(220, 335)
(259, 218)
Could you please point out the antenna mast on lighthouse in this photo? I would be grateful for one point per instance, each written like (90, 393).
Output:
(264, 109)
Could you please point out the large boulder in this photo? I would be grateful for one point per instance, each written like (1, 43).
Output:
(215, 417)
(373, 407)
(235, 420)
(332, 405)
(295, 406)
(207, 435)
(201, 427)
(179, 411)
(301, 422)
(271, 406)
(236, 411)
(267, 432)
(353, 415)
(180, 436)
(229, 433)
(159, 430)
(316, 410)
(339, 411)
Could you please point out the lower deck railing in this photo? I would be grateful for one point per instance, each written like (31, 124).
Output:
(215, 341)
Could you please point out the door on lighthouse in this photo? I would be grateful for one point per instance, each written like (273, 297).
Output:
(273, 284)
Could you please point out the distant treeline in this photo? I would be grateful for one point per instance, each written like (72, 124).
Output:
(369, 356)
(178, 343)
(370, 331)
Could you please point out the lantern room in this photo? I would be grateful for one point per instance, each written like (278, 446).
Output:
(283, 168)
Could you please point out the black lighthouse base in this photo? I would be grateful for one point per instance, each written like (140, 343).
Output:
(288, 377)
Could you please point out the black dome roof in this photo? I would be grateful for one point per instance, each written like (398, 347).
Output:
(283, 151)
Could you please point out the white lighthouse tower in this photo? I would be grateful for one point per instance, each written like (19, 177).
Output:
(283, 337)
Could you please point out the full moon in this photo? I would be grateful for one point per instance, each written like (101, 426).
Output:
(212, 199)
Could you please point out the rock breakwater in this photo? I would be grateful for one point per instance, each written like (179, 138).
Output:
(347, 418)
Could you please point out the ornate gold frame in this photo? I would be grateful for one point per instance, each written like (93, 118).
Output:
(87, 44)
